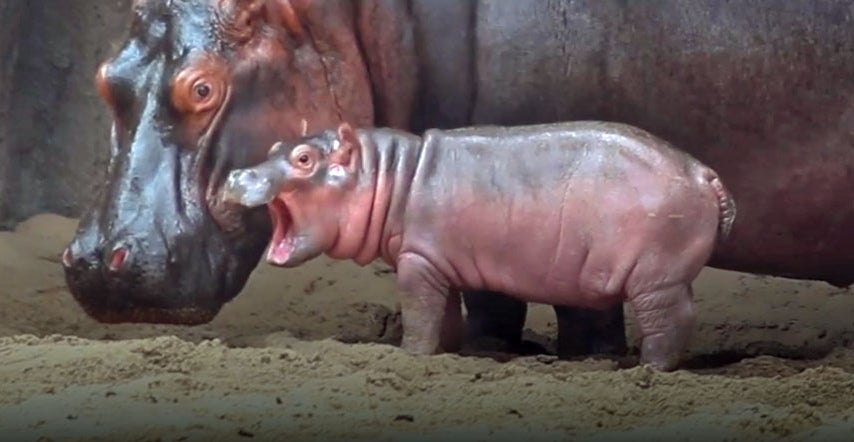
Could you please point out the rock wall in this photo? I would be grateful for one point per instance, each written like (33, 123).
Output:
(11, 13)
(53, 129)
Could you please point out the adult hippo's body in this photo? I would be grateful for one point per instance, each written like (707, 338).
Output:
(761, 92)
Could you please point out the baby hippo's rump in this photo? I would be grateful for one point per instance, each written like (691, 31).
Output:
(585, 214)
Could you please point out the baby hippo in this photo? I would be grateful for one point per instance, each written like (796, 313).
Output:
(586, 214)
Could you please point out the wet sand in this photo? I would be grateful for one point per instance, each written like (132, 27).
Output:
(305, 354)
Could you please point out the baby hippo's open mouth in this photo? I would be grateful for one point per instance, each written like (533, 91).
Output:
(282, 244)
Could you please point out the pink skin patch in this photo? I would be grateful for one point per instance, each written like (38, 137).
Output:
(281, 246)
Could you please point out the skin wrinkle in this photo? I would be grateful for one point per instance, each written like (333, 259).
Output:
(370, 169)
(418, 281)
(431, 154)
(395, 192)
(569, 172)
(325, 66)
(382, 186)
(652, 303)
(390, 232)
(555, 261)
(392, 72)
(627, 277)
(334, 47)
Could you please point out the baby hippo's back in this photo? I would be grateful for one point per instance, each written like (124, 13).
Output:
(580, 213)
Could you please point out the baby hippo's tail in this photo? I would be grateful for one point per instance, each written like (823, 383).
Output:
(726, 203)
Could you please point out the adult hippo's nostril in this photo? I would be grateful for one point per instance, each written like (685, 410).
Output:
(134, 277)
(81, 255)
(118, 258)
(67, 258)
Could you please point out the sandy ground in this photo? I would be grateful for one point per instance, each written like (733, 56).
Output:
(771, 359)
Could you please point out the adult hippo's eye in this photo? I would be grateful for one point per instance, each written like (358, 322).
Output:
(304, 159)
(198, 89)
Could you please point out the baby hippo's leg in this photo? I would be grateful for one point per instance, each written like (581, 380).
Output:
(665, 319)
(424, 303)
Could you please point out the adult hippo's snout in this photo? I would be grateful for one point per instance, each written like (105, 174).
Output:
(146, 255)
(142, 278)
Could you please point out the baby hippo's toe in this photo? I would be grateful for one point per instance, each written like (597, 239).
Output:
(661, 352)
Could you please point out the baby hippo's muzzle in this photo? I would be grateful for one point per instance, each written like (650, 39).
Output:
(252, 187)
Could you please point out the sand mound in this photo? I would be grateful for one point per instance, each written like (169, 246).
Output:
(305, 355)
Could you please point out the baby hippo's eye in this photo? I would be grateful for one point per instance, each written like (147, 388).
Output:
(303, 157)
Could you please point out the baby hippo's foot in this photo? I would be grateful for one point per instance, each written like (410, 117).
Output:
(665, 318)
(430, 312)
(419, 339)
(418, 345)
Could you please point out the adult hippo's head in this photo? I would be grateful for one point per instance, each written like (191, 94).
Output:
(201, 87)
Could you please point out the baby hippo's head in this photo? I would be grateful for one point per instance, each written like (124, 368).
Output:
(304, 186)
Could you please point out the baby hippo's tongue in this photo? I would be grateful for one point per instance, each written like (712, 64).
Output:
(281, 246)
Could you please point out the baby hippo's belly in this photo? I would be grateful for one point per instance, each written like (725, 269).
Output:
(535, 254)
(591, 250)
(541, 271)
(582, 223)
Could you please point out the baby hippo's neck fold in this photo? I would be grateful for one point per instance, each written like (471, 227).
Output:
(371, 222)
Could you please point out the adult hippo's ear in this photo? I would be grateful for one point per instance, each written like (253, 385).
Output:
(241, 19)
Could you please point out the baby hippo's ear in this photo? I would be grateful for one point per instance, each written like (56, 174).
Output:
(275, 149)
(347, 143)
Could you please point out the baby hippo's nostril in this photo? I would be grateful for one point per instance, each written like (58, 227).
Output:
(248, 188)
(242, 178)
(118, 258)
(67, 257)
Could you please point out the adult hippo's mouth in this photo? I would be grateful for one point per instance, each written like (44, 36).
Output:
(153, 315)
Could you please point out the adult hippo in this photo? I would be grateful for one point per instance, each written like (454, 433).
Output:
(762, 92)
